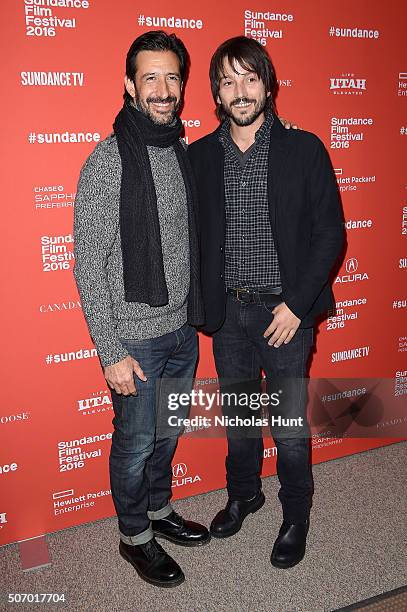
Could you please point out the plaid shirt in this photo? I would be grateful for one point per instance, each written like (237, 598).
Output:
(250, 254)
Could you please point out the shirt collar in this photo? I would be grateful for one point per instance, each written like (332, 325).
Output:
(226, 138)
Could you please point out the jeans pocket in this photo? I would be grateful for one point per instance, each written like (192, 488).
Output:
(270, 302)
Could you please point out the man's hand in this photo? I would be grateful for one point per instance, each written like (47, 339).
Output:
(120, 376)
(283, 326)
(287, 124)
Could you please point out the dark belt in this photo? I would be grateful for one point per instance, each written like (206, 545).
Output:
(249, 296)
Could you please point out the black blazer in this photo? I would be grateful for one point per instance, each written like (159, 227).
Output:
(305, 215)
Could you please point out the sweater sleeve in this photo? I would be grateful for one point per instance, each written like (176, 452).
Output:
(96, 223)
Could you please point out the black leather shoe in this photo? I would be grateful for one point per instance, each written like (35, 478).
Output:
(153, 564)
(229, 520)
(289, 547)
(175, 529)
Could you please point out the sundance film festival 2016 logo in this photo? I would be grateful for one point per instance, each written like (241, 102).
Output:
(400, 383)
(74, 454)
(345, 311)
(347, 84)
(57, 253)
(181, 477)
(346, 130)
(353, 273)
(260, 25)
(404, 221)
(3, 519)
(41, 19)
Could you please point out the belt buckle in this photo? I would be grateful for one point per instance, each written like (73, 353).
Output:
(242, 291)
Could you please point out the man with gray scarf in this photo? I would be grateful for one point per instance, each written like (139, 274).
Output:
(137, 271)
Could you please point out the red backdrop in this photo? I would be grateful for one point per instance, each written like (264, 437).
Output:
(342, 75)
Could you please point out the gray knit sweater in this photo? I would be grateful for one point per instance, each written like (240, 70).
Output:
(98, 258)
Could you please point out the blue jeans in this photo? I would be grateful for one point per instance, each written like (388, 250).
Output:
(240, 350)
(140, 460)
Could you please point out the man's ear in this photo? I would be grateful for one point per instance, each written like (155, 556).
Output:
(130, 88)
(218, 100)
(268, 94)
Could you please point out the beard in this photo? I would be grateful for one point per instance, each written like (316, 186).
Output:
(242, 120)
(157, 119)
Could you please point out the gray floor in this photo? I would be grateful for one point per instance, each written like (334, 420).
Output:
(355, 551)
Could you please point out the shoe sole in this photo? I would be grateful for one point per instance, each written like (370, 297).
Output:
(175, 541)
(287, 565)
(231, 533)
(158, 583)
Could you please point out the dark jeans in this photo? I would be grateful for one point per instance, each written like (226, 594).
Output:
(240, 351)
(140, 460)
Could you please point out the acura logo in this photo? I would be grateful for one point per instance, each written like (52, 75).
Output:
(351, 265)
(179, 470)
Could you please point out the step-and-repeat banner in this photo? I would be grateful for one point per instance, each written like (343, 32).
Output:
(342, 74)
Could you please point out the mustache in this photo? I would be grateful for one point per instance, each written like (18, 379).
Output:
(240, 100)
(161, 100)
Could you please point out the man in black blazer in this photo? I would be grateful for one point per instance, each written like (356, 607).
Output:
(271, 232)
